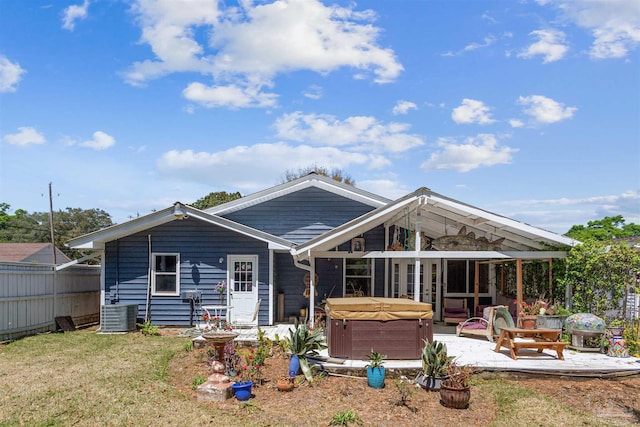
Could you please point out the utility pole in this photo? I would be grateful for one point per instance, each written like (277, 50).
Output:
(53, 242)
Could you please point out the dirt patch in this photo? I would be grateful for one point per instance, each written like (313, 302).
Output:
(614, 400)
(316, 404)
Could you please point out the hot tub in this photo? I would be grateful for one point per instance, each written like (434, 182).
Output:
(393, 327)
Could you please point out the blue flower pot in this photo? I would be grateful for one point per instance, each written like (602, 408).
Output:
(294, 366)
(375, 377)
(242, 390)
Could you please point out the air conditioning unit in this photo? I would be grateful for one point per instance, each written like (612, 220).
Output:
(118, 317)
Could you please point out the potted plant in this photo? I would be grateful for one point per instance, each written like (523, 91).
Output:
(303, 342)
(528, 313)
(552, 317)
(285, 383)
(242, 390)
(435, 363)
(455, 390)
(375, 370)
(616, 327)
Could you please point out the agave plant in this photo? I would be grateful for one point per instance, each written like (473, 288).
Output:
(435, 361)
(303, 342)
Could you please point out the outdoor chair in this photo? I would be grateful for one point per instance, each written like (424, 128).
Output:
(247, 319)
(489, 325)
(455, 310)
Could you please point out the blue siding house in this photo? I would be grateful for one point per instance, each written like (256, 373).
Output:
(286, 248)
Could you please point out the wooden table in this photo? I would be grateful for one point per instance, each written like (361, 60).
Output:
(538, 339)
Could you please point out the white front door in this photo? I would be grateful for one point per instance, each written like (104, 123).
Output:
(243, 286)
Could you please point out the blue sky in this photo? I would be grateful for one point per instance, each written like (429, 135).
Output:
(530, 109)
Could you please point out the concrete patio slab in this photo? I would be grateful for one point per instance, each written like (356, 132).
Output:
(480, 352)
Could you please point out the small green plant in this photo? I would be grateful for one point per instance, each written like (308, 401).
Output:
(435, 361)
(303, 342)
(148, 329)
(255, 358)
(188, 346)
(406, 390)
(376, 360)
(343, 418)
(197, 381)
(250, 406)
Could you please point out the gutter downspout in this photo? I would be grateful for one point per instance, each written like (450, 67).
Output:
(146, 311)
(312, 285)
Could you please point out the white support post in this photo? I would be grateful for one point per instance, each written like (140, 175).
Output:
(271, 285)
(386, 262)
(312, 292)
(417, 247)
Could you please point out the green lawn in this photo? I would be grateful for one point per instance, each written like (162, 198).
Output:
(88, 379)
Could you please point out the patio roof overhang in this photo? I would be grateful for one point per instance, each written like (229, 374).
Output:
(438, 216)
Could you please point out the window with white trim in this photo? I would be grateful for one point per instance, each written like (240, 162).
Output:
(165, 274)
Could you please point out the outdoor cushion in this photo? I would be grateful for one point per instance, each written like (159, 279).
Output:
(456, 310)
(454, 303)
(475, 325)
(461, 315)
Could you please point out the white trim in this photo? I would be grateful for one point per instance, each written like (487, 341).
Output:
(97, 239)
(154, 274)
(307, 181)
(271, 287)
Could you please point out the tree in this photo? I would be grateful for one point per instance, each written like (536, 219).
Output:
(215, 198)
(608, 228)
(601, 276)
(23, 227)
(336, 174)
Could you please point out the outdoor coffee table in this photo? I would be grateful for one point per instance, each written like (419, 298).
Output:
(534, 338)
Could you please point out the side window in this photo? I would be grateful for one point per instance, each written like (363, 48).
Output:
(165, 274)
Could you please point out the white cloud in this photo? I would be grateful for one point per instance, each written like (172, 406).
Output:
(516, 123)
(25, 136)
(359, 132)
(73, 13)
(100, 141)
(389, 188)
(487, 41)
(475, 152)
(313, 92)
(553, 213)
(232, 96)
(10, 74)
(249, 167)
(472, 111)
(551, 45)
(244, 52)
(545, 110)
(614, 24)
(403, 107)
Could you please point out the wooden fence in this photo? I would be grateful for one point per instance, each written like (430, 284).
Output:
(33, 295)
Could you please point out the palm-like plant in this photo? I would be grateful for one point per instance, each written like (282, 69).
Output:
(303, 342)
(435, 360)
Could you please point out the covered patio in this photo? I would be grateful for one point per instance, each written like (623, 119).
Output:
(423, 233)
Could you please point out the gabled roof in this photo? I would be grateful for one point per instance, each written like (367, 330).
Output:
(97, 239)
(31, 252)
(310, 180)
(440, 216)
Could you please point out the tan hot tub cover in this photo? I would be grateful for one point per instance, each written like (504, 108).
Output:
(377, 308)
